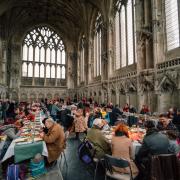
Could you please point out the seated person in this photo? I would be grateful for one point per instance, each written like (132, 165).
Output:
(55, 140)
(174, 147)
(103, 112)
(121, 148)
(154, 143)
(95, 136)
(145, 110)
(97, 113)
(45, 129)
(11, 131)
(126, 108)
(165, 123)
(176, 119)
(132, 109)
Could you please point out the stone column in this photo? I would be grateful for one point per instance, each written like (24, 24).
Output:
(117, 97)
(164, 102)
(141, 64)
(71, 67)
(147, 13)
(149, 54)
(110, 48)
(159, 36)
(16, 66)
(104, 53)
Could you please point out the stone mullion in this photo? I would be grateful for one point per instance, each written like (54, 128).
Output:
(126, 35)
(133, 26)
(45, 49)
(178, 3)
(56, 67)
(33, 64)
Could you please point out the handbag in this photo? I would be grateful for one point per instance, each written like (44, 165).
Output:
(37, 168)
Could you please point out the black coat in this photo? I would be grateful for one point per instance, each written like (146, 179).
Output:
(154, 143)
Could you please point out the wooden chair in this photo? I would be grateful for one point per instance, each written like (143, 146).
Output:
(110, 162)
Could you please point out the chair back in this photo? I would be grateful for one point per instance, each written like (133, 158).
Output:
(117, 162)
(165, 167)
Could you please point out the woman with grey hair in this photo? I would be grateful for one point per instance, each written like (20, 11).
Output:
(98, 140)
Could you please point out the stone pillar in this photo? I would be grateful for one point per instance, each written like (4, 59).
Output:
(110, 48)
(141, 63)
(159, 36)
(164, 102)
(16, 66)
(4, 63)
(117, 97)
(147, 13)
(90, 63)
(71, 68)
(149, 54)
(104, 53)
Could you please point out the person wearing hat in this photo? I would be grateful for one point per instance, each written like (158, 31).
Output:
(95, 136)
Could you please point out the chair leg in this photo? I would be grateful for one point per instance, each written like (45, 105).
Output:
(60, 159)
(65, 159)
(105, 176)
(96, 170)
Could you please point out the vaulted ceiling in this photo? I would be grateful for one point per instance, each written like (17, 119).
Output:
(69, 17)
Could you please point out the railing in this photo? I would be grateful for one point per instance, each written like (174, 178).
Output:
(168, 64)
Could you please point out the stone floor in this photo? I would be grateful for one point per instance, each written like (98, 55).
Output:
(76, 169)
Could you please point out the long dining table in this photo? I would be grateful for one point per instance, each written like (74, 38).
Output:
(28, 144)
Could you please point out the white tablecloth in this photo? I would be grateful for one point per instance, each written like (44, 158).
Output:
(135, 148)
(10, 151)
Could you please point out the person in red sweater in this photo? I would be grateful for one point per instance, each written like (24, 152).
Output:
(126, 108)
(144, 110)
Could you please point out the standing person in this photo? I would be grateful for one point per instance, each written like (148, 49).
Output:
(4, 108)
(54, 110)
(79, 123)
(10, 110)
(176, 119)
(0, 109)
(115, 113)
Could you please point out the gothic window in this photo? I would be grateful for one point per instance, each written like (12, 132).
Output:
(124, 34)
(43, 54)
(98, 46)
(172, 24)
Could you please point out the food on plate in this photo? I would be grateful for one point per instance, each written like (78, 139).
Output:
(20, 140)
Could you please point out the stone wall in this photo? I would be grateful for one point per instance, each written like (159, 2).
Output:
(37, 93)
